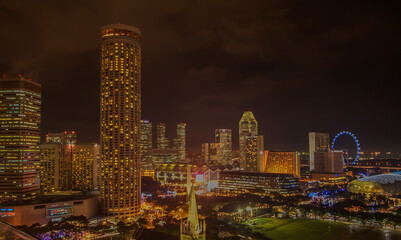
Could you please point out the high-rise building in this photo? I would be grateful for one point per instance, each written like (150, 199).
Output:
(318, 142)
(66, 137)
(282, 162)
(193, 228)
(120, 121)
(146, 144)
(85, 167)
(20, 107)
(65, 167)
(329, 162)
(180, 140)
(248, 126)
(211, 152)
(224, 137)
(162, 141)
(55, 167)
(254, 151)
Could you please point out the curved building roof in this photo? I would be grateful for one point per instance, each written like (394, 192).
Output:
(378, 184)
(382, 178)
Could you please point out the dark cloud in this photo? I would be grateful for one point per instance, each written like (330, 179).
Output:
(298, 65)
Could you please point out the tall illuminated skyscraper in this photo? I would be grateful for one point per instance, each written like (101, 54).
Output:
(318, 143)
(146, 144)
(120, 120)
(248, 126)
(161, 138)
(180, 140)
(254, 152)
(20, 104)
(224, 137)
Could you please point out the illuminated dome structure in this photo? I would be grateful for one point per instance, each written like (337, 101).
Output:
(383, 184)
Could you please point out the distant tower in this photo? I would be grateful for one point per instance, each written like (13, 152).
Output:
(180, 140)
(248, 126)
(20, 104)
(193, 228)
(120, 121)
(224, 137)
(161, 138)
(146, 144)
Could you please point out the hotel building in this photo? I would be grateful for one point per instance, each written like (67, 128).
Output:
(282, 162)
(85, 167)
(120, 121)
(55, 167)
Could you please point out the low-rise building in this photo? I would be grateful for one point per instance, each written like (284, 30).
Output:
(238, 182)
(176, 174)
(50, 208)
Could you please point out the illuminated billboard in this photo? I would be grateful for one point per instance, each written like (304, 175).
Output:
(6, 212)
(58, 212)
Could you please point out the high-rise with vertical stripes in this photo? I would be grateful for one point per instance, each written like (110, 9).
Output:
(120, 120)
(248, 127)
(20, 115)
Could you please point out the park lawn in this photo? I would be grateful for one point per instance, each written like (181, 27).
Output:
(299, 229)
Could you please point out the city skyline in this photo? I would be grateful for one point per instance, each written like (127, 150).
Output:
(200, 120)
(276, 60)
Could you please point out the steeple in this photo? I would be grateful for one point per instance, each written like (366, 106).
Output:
(192, 228)
(193, 211)
(188, 181)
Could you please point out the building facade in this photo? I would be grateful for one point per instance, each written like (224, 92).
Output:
(248, 126)
(329, 162)
(162, 142)
(85, 173)
(66, 137)
(20, 119)
(318, 143)
(55, 167)
(211, 153)
(180, 140)
(254, 152)
(146, 144)
(165, 156)
(120, 125)
(54, 209)
(282, 162)
(224, 137)
(240, 182)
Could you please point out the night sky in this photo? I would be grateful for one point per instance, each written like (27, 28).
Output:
(300, 66)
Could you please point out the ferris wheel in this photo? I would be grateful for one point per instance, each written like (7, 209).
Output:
(358, 148)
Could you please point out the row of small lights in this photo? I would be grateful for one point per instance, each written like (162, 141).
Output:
(19, 75)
